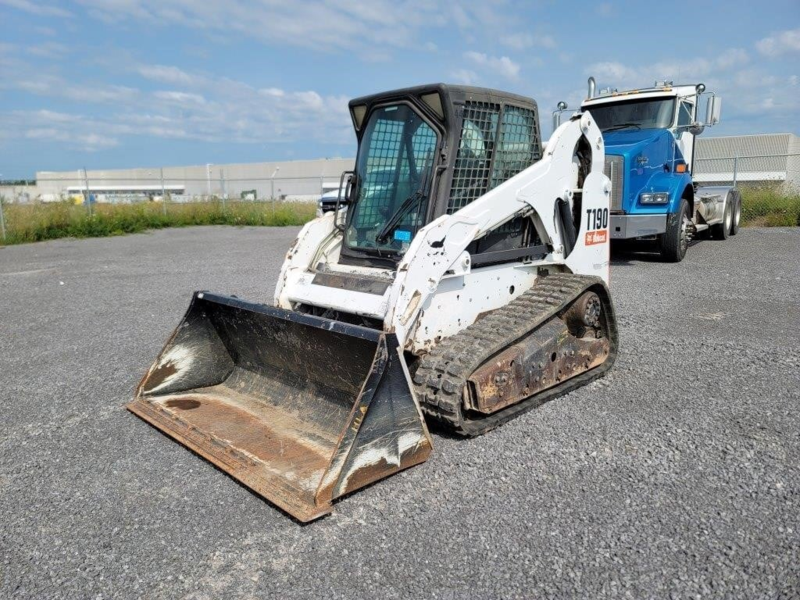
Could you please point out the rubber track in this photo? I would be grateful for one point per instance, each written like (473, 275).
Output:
(442, 375)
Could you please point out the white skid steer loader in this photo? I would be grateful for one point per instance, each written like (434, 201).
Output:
(463, 276)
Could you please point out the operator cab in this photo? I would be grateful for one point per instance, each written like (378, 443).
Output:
(424, 152)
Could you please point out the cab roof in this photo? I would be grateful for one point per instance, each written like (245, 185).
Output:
(665, 91)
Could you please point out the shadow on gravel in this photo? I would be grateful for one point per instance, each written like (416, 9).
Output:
(629, 252)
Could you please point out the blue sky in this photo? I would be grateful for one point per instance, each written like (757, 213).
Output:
(124, 83)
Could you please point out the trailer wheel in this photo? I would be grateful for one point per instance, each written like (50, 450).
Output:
(720, 231)
(737, 213)
(675, 240)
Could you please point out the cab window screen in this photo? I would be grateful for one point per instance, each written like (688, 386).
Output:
(475, 152)
(517, 149)
(496, 144)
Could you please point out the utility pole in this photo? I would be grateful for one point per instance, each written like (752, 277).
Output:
(208, 178)
(272, 187)
(163, 194)
(222, 187)
(86, 191)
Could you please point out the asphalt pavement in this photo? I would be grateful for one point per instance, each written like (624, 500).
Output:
(676, 476)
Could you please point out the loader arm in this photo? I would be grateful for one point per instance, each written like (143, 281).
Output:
(439, 250)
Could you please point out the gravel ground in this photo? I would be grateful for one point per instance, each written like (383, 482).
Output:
(678, 475)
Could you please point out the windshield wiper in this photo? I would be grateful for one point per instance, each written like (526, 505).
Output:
(623, 126)
(401, 212)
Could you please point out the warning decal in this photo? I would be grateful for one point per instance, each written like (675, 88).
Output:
(596, 237)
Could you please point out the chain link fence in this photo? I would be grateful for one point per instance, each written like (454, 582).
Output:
(769, 184)
(89, 205)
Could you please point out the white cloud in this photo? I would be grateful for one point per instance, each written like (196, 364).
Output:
(465, 76)
(180, 97)
(734, 57)
(324, 24)
(277, 92)
(51, 50)
(523, 41)
(779, 43)
(619, 75)
(37, 8)
(218, 110)
(502, 65)
(167, 74)
(43, 84)
(88, 142)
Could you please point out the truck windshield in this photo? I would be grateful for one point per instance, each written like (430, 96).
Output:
(394, 172)
(654, 113)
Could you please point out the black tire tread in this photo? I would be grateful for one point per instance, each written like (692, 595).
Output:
(671, 238)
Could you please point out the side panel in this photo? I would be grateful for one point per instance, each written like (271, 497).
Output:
(590, 256)
(301, 255)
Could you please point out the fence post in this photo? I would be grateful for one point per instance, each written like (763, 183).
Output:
(86, 191)
(735, 168)
(2, 217)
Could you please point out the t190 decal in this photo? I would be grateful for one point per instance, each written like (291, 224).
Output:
(596, 226)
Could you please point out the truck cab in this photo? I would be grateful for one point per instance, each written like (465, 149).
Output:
(649, 136)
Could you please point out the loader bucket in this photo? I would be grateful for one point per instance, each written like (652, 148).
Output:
(298, 408)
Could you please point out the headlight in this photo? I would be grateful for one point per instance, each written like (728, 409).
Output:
(654, 198)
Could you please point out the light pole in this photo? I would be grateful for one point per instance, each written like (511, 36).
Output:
(272, 182)
(208, 178)
(272, 186)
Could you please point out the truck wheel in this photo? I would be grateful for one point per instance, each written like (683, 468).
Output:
(720, 231)
(737, 213)
(675, 240)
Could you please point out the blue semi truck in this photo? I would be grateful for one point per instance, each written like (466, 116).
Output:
(649, 137)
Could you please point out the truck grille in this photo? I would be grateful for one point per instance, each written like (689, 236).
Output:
(614, 170)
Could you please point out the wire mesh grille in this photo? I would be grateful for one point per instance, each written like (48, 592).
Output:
(517, 149)
(475, 152)
(399, 153)
(483, 163)
(384, 151)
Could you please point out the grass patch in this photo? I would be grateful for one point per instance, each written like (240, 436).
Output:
(37, 222)
(769, 207)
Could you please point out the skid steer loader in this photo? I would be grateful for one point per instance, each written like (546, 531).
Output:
(462, 276)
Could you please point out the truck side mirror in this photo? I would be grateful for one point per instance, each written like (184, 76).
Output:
(713, 109)
(696, 128)
(562, 106)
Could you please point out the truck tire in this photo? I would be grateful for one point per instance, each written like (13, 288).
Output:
(720, 231)
(737, 212)
(675, 240)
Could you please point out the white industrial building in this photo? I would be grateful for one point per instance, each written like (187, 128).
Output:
(289, 180)
(764, 158)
